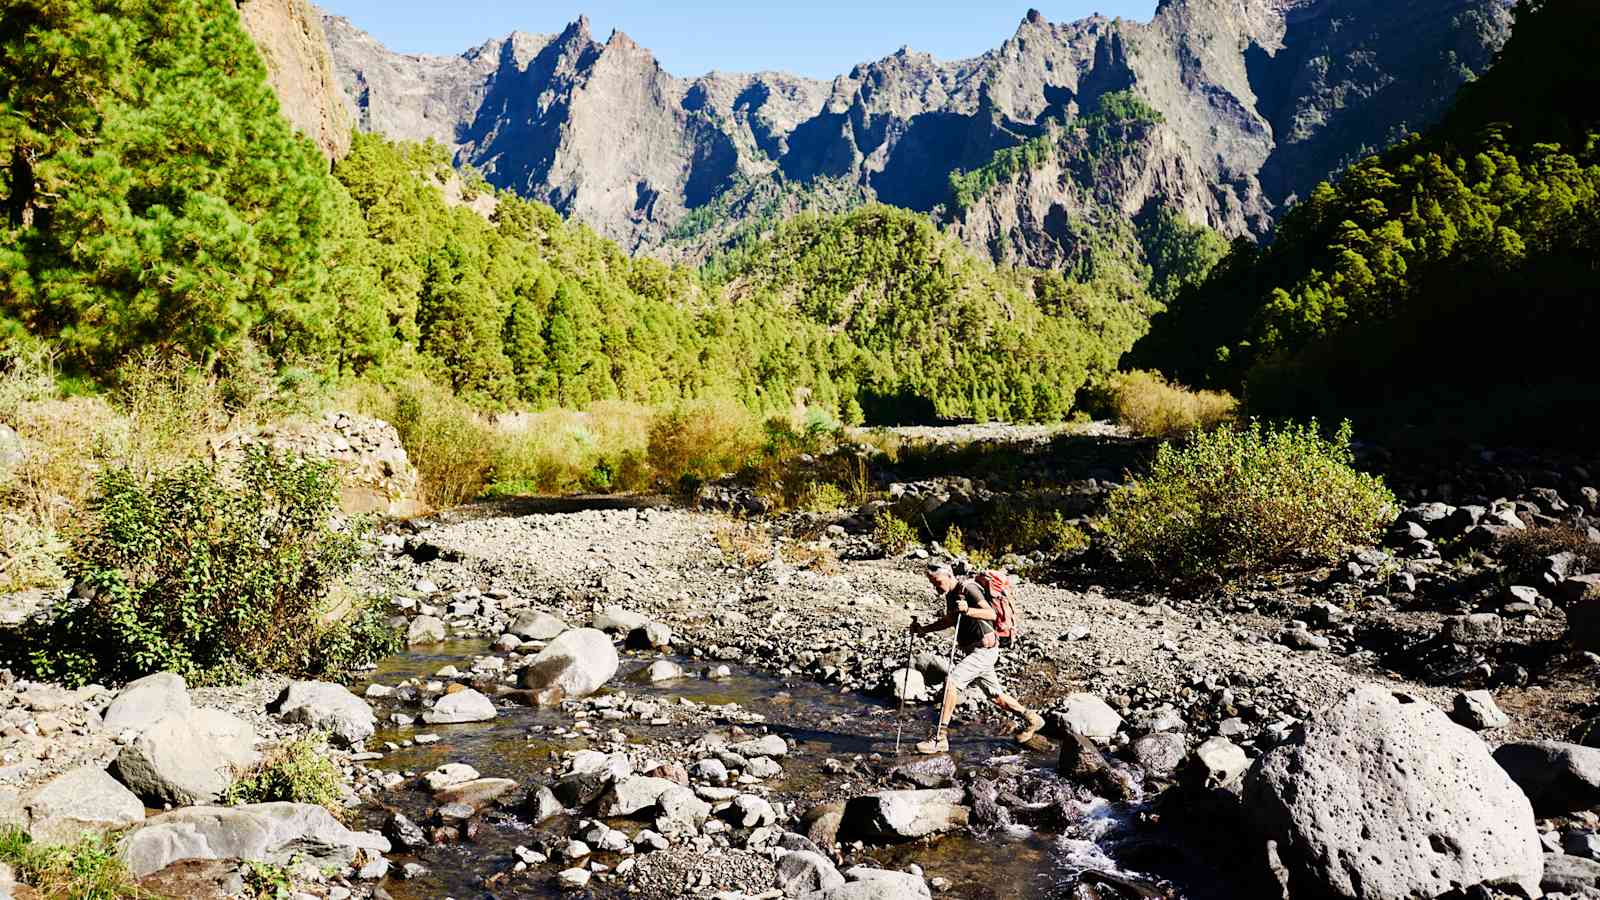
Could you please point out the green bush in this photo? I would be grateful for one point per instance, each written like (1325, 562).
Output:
(894, 534)
(87, 870)
(298, 772)
(1237, 501)
(214, 575)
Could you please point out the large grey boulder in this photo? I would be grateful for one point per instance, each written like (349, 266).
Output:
(327, 707)
(80, 800)
(617, 619)
(903, 815)
(265, 832)
(537, 625)
(875, 884)
(680, 812)
(802, 871)
(1382, 797)
(425, 630)
(633, 794)
(578, 662)
(1089, 716)
(143, 702)
(1571, 875)
(187, 759)
(1557, 777)
(461, 706)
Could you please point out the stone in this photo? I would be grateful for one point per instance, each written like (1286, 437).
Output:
(908, 685)
(820, 824)
(903, 815)
(541, 805)
(85, 799)
(187, 759)
(681, 812)
(1582, 843)
(459, 707)
(449, 775)
(537, 625)
(1558, 777)
(1571, 875)
(264, 832)
(938, 770)
(1478, 711)
(1089, 716)
(633, 794)
(145, 701)
(801, 872)
(863, 883)
(578, 662)
(711, 771)
(573, 879)
(1081, 761)
(750, 811)
(425, 630)
(1161, 753)
(657, 672)
(326, 707)
(766, 745)
(1478, 628)
(1575, 588)
(405, 833)
(478, 793)
(650, 636)
(617, 619)
(1382, 797)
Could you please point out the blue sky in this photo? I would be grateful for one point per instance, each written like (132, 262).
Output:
(817, 38)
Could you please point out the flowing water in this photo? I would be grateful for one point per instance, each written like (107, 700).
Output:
(824, 723)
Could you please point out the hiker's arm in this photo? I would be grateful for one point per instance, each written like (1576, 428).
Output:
(977, 606)
(938, 624)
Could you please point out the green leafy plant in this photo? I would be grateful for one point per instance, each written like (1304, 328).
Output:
(86, 870)
(212, 575)
(267, 881)
(297, 772)
(823, 496)
(894, 534)
(1237, 501)
(1151, 406)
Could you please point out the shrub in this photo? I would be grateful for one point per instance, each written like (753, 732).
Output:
(601, 449)
(894, 534)
(297, 772)
(694, 442)
(1524, 551)
(1237, 501)
(1151, 406)
(447, 440)
(209, 577)
(822, 497)
(354, 643)
(87, 870)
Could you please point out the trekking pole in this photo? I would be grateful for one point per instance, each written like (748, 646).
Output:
(905, 685)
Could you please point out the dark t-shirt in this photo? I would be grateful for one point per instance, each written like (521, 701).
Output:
(972, 632)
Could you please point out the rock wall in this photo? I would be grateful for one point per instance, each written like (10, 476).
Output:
(377, 475)
(292, 43)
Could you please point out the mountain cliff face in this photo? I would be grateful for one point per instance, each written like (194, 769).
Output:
(288, 34)
(1255, 101)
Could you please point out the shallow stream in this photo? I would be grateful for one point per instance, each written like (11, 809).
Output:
(823, 723)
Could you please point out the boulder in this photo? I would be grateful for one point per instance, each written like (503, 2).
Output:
(908, 685)
(578, 662)
(650, 636)
(1477, 710)
(903, 815)
(1081, 761)
(657, 672)
(1220, 764)
(76, 801)
(264, 832)
(633, 794)
(461, 706)
(1087, 715)
(926, 771)
(750, 811)
(326, 707)
(449, 775)
(766, 745)
(1571, 875)
(681, 812)
(1574, 589)
(802, 871)
(820, 824)
(864, 883)
(1160, 754)
(617, 619)
(1382, 797)
(537, 625)
(1478, 628)
(541, 805)
(1558, 778)
(187, 759)
(478, 793)
(425, 630)
(144, 701)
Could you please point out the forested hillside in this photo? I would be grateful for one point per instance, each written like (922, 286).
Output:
(1450, 281)
(157, 200)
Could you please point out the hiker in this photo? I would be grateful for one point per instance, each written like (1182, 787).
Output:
(967, 603)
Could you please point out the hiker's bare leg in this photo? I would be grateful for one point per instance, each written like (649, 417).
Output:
(952, 698)
(1010, 704)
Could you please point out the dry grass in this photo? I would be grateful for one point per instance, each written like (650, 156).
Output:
(744, 545)
(816, 557)
(560, 451)
(1149, 405)
(450, 443)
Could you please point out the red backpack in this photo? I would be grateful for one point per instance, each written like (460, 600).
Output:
(997, 588)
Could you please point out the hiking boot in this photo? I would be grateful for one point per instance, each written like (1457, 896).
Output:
(939, 743)
(1031, 725)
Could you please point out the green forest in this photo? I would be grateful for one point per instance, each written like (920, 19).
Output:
(1446, 284)
(156, 200)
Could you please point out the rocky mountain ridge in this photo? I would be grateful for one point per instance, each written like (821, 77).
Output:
(1258, 100)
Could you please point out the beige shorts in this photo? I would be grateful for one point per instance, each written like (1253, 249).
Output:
(977, 668)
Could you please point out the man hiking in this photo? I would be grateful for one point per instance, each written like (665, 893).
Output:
(967, 604)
